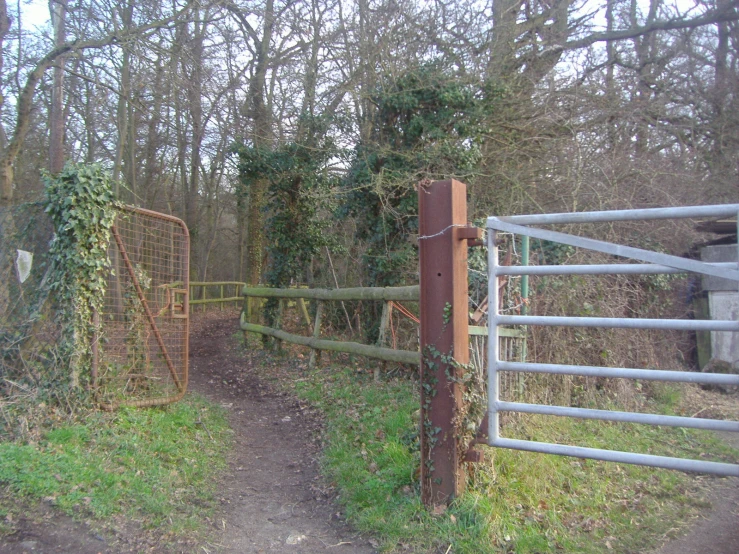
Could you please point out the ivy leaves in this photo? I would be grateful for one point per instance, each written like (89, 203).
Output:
(430, 123)
(82, 208)
(298, 198)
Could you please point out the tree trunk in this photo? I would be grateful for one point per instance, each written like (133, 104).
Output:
(58, 9)
(6, 165)
(262, 138)
(195, 101)
(122, 111)
(4, 28)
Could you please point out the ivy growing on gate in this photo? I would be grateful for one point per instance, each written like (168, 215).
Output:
(82, 207)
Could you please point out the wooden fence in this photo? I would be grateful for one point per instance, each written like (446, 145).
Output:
(215, 292)
(512, 340)
(386, 294)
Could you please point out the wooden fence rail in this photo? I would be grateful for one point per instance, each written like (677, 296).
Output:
(317, 344)
(410, 293)
(379, 351)
(221, 299)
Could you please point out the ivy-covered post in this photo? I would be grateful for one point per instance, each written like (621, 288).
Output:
(443, 234)
(82, 207)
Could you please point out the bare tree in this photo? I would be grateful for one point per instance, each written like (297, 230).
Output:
(58, 10)
(24, 101)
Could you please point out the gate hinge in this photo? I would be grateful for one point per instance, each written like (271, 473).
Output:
(474, 456)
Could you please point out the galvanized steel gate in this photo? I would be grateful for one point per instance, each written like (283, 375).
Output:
(652, 263)
(142, 358)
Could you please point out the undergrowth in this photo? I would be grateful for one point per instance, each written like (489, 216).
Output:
(516, 502)
(154, 465)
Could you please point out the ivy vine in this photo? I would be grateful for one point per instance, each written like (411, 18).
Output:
(298, 202)
(82, 207)
(430, 122)
(468, 414)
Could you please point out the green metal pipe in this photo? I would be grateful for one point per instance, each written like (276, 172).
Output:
(524, 278)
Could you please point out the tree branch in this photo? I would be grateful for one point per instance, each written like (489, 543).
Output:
(728, 13)
(25, 98)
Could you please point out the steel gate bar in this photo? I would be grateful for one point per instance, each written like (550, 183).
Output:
(623, 417)
(621, 323)
(610, 216)
(665, 462)
(660, 263)
(598, 269)
(617, 249)
(621, 372)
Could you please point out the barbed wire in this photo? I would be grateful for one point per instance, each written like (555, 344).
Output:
(444, 230)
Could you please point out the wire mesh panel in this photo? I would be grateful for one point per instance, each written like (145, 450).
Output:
(142, 359)
(28, 333)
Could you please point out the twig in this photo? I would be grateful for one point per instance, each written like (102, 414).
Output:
(701, 411)
(336, 281)
(201, 422)
(5, 416)
(18, 385)
(330, 545)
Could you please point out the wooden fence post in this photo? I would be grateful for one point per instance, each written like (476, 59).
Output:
(278, 321)
(444, 316)
(384, 321)
(315, 355)
(304, 312)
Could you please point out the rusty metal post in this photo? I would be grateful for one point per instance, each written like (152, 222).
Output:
(442, 244)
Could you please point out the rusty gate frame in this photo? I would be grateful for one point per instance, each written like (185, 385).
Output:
(176, 311)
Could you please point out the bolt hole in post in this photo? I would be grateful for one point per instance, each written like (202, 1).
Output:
(438, 274)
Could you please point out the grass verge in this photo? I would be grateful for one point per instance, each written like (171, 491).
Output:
(156, 465)
(517, 502)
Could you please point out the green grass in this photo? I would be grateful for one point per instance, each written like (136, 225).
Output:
(157, 465)
(516, 502)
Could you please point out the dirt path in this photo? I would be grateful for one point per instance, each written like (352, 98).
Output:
(716, 531)
(272, 497)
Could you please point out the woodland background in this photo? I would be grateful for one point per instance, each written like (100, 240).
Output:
(290, 135)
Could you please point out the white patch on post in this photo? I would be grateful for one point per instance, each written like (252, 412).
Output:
(23, 264)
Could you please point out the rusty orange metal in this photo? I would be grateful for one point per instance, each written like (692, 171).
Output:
(443, 235)
(142, 358)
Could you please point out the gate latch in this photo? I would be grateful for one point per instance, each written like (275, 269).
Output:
(473, 235)
(179, 307)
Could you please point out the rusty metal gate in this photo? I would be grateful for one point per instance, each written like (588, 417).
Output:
(141, 355)
(651, 263)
